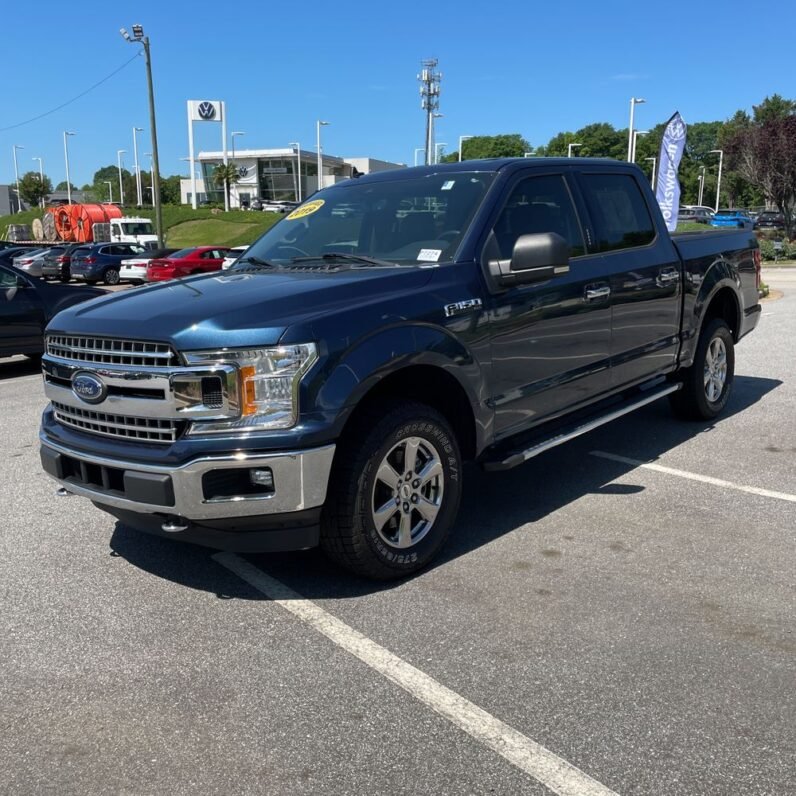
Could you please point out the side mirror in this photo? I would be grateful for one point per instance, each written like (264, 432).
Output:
(535, 258)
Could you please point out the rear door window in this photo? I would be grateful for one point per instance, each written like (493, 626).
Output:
(618, 210)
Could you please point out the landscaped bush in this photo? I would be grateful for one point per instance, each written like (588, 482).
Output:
(767, 250)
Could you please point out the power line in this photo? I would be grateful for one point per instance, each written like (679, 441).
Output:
(70, 101)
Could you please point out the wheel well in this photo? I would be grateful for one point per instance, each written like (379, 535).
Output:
(724, 305)
(431, 386)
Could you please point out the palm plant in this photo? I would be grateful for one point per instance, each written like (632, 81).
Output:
(225, 176)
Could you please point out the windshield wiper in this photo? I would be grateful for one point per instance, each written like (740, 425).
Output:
(353, 258)
(253, 261)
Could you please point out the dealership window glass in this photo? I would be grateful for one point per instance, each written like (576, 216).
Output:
(537, 205)
(618, 210)
(416, 220)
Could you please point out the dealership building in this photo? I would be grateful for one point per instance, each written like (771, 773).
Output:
(274, 174)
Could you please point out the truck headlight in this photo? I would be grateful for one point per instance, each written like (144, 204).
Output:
(268, 384)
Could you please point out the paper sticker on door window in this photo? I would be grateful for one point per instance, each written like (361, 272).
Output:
(429, 255)
(307, 209)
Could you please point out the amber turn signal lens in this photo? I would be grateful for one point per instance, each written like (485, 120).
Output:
(248, 407)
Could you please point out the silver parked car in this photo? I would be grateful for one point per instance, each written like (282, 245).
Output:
(31, 262)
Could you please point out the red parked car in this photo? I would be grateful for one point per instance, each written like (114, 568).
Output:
(186, 262)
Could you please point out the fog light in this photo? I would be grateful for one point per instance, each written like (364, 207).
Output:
(262, 477)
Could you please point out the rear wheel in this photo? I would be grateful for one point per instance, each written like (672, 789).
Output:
(708, 382)
(111, 276)
(394, 492)
(65, 275)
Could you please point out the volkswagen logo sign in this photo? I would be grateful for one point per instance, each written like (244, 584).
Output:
(206, 110)
(89, 388)
(243, 171)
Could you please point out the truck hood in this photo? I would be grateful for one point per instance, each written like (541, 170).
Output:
(228, 309)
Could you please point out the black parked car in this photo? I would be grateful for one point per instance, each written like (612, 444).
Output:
(57, 261)
(26, 307)
(770, 220)
(101, 262)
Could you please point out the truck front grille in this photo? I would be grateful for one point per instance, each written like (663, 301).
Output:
(143, 429)
(110, 351)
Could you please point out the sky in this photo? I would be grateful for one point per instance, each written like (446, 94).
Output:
(511, 67)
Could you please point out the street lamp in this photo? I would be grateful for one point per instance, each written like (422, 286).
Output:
(462, 139)
(138, 192)
(298, 168)
(109, 183)
(151, 170)
(419, 149)
(436, 151)
(16, 177)
(633, 102)
(529, 154)
(232, 137)
(66, 159)
(318, 126)
(119, 153)
(654, 164)
(718, 183)
(636, 134)
(570, 147)
(701, 179)
(139, 38)
(41, 179)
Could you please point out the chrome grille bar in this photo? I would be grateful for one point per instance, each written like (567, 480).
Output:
(148, 429)
(110, 351)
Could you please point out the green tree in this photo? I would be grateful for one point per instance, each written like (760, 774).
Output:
(33, 189)
(509, 145)
(170, 189)
(62, 186)
(225, 176)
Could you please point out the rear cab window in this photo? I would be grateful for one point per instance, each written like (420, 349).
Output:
(619, 212)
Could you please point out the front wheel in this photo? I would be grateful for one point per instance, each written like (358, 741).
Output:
(111, 276)
(394, 492)
(708, 382)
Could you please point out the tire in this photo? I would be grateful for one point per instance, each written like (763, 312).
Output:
(111, 276)
(707, 384)
(65, 276)
(363, 528)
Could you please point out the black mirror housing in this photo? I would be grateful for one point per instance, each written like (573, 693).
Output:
(542, 250)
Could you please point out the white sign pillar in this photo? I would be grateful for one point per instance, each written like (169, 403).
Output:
(206, 111)
(224, 150)
(191, 157)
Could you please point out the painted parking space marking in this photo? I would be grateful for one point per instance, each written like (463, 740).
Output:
(540, 763)
(705, 479)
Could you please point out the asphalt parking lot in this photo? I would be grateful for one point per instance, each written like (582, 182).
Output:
(615, 616)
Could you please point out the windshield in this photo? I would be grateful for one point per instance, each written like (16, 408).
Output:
(403, 221)
(137, 228)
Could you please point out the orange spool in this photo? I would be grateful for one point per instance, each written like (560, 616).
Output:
(75, 222)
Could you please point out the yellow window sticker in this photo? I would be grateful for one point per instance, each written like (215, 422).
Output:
(307, 209)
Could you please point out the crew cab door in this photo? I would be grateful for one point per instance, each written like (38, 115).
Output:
(21, 314)
(550, 340)
(644, 274)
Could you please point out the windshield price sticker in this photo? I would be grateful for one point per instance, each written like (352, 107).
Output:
(429, 255)
(307, 209)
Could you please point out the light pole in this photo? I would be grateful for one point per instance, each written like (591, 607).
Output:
(16, 177)
(298, 168)
(570, 147)
(66, 160)
(633, 102)
(109, 183)
(232, 138)
(138, 36)
(318, 126)
(119, 153)
(636, 134)
(41, 179)
(652, 178)
(718, 182)
(462, 139)
(138, 192)
(528, 154)
(701, 179)
(419, 149)
(436, 151)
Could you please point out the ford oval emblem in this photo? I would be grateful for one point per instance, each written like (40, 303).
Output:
(89, 388)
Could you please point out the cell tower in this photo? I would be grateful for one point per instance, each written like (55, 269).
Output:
(429, 91)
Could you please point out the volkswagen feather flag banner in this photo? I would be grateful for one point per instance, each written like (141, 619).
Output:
(668, 188)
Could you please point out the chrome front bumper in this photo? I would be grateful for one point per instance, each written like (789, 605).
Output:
(300, 480)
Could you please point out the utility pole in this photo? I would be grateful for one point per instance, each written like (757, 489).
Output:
(429, 91)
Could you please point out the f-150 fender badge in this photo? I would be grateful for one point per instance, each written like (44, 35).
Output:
(460, 307)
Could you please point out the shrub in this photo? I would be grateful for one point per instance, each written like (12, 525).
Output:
(788, 250)
(767, 250)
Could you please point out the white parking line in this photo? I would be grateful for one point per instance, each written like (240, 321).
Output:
(705, 479)
(543, 765)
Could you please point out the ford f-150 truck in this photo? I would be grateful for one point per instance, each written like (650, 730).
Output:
(327, 388)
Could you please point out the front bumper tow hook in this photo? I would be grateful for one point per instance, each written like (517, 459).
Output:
(174, 525)
(63, 492)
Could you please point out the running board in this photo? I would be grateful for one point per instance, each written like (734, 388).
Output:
(515, 458)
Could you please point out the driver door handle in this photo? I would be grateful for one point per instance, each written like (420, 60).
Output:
(596, 292)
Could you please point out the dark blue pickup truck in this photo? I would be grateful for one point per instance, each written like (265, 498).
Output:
(327, 388)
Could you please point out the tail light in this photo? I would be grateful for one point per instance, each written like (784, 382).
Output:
(62, 260)
(758, 266)
(90, 260)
